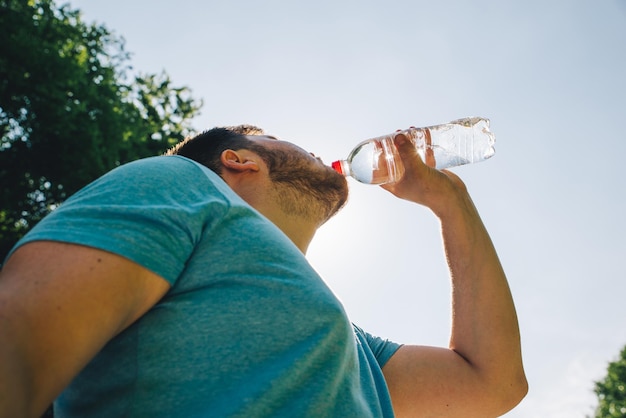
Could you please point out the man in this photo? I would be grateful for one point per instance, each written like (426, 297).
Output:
(166, 288)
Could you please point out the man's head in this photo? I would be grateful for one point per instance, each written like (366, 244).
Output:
(303, 185)
(208, 146)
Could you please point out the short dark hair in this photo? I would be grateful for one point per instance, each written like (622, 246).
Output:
(207, 147)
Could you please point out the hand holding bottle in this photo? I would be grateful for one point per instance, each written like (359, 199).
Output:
(439, 190)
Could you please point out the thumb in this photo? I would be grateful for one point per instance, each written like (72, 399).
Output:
(407, 149)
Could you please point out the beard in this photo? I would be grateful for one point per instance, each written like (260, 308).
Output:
(306, 187)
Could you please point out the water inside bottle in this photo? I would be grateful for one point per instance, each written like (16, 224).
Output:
(459, 142)
(368, 164)
(442, 157)
(376, 161)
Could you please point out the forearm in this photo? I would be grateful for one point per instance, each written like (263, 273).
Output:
(481, 374)
(485, 329)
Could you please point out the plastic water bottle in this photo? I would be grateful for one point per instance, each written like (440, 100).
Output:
(463, 141)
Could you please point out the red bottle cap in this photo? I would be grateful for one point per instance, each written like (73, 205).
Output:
(336, 165)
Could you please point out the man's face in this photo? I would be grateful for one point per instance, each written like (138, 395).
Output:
(304, 185)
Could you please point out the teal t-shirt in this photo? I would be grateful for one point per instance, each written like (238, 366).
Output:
(248, 328)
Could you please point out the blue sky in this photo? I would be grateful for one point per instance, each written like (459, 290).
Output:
(327, 74)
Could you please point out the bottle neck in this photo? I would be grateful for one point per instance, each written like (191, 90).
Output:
(341, 166)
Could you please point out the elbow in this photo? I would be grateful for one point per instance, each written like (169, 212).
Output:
(511, 393)
(501, 392)
(522, 389)
(518, 391)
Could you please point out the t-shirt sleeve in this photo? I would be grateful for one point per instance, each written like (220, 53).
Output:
(151, 211)
(382, 349)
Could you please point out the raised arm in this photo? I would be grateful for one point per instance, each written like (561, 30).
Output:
(481, 373)
(59, 305)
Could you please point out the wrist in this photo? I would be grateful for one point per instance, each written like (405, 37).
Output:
(450, 199)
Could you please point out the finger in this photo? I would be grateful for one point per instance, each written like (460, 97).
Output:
(404, 145)
(409, 154)
(429, 153)
(429, 156)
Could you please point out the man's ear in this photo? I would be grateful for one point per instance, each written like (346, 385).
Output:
(240, 161)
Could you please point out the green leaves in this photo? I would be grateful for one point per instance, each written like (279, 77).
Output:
(612, 390)
(70, 111)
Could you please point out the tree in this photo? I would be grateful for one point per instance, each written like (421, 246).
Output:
(70, 111)
(612, 390)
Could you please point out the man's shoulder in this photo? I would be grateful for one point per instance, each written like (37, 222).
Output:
(167, 164)
(160, 173)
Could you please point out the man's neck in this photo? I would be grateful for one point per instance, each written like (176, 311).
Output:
(264, 199)
(301, 233)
